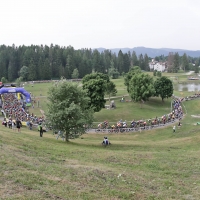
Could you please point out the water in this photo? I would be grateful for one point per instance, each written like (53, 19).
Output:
(189, 87)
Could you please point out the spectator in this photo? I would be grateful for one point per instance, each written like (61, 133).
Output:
(18, 124)
(41, 130)
(174, 129)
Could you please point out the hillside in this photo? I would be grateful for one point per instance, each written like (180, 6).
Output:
(153, 164)
(153, 52)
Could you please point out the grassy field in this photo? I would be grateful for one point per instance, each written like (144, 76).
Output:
(149, 165)
(39, 94)
(125, 111)
(132, 110)
(155, 164)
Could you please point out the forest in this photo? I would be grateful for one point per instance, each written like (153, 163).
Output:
(42, 62)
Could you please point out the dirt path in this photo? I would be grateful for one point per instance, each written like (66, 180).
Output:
(189, 73)
(195, 116)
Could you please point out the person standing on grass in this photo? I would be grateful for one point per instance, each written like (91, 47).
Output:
(5, 122)
(31, 125)
(41, 130)
(60, 134)
(13, 125)
(10, 123)
(174, 129)
(18, 124)
(179, 123)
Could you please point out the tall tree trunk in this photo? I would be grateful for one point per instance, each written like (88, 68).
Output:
(67, 137)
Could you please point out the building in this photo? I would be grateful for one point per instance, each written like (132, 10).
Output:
(159, 66)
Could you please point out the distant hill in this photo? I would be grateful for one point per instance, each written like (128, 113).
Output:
(151, 52)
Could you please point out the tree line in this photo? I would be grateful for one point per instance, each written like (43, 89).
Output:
(52, 62)
(38, 62)
(175, 62)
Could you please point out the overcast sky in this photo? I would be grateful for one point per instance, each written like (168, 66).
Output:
(101, 23)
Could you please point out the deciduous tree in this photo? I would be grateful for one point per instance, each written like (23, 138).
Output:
(130, 74)
(159, 74)
(112, 72)
(163, 87)
(4, 80)
(95, 84)
(68, 109)
(141, 87)
(24, 73)
(111, 89)
(75, 74)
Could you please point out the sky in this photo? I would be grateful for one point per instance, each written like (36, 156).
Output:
(101, 23)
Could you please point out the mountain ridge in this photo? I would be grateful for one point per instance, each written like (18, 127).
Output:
(152, 52)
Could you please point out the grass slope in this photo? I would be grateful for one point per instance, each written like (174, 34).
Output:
(154, 164)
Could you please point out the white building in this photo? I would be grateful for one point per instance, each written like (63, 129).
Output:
(159, 66)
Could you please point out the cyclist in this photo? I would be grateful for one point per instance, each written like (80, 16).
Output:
(99, 126)
(105, 123)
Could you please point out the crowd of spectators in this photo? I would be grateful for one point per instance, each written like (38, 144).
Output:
(15, 108)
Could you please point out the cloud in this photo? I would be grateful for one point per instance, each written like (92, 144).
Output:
(105, 23)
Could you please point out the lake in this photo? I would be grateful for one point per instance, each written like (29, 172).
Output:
(190, 87)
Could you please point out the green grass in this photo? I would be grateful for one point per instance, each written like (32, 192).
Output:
(155, 164)
(147, 165)
(126, 111)
(38, 89)
(39, 93)
(132, 110)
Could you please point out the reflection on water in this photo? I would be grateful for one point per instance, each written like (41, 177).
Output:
(191, 87)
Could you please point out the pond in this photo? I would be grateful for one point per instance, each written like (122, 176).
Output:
(190, 87)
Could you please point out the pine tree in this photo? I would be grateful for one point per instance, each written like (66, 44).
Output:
(10, 71)
(70, 65)
(32, 71)
(134, 59)
(3, 64)
(141, 62)
(170, 61)
(185, 62)
(120, 62)
(126, 62)
(46, 72)
(96, 61)
(176, 63)
(196, 67)
(146, 63)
